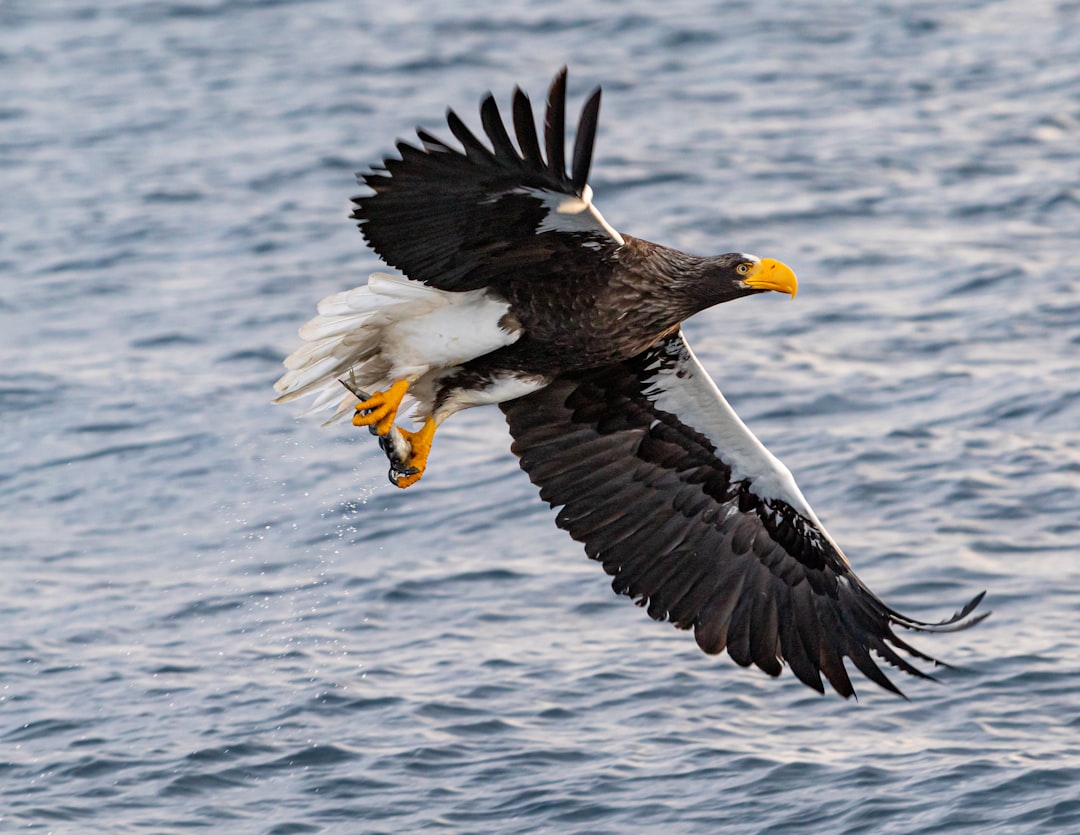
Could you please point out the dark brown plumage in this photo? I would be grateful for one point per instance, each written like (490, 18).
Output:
(518, 292)
(654, 501)
(468, 221)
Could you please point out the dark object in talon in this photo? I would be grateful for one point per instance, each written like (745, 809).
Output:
(356, 390)
(397, 466)
(374, 431)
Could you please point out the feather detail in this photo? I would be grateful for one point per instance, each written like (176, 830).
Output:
(696, 520)
(388, 330)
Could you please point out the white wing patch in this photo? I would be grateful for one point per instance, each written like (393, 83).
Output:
(390, 329)
(568, 213)
(688, 392)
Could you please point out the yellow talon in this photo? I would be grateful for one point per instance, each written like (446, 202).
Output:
(380, 409)
(420, 443)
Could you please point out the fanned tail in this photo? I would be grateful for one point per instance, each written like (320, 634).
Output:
(344, 342)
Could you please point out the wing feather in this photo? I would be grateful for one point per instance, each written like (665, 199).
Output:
(505, 152)
(711, 624)
(687, 588)
(584, 139)
(555, 125)
(525, 130)
(475, 150)
(480, 216)
(697, 521)
(794, 616)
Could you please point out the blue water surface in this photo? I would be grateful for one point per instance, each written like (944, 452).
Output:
(216, 616)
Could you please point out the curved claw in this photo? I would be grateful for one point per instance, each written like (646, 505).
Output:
(407, 452)
(397, 476)
(394, 445)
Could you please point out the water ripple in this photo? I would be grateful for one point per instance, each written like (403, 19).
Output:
(216, 616)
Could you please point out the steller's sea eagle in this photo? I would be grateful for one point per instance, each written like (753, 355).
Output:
(516, 291)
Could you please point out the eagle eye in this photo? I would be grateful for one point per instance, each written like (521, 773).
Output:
(743, 268)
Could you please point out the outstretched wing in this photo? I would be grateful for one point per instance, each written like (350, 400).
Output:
(696, 520)
(472, 218)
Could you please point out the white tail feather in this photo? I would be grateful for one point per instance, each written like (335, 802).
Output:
(390, 329)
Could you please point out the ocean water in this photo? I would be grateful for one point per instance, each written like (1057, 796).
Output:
(216, 616)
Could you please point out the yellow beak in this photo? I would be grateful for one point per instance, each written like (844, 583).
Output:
(771, 274)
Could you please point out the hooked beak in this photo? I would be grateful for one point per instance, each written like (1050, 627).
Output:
(771, 274)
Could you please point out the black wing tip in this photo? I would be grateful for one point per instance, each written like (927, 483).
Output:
(555, 125)
(502, 151)
(496, 132)
(858, 653)
(555, 133)
(957, 622)
(585, 140)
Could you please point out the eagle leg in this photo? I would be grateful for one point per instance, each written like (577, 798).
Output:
(380, 409)
(408, 452)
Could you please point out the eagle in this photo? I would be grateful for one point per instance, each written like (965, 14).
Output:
(511, 288)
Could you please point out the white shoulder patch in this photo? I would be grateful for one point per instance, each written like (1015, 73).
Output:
(569, 213)
(688, 392)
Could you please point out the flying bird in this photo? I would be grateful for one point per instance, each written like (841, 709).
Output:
(513, 289)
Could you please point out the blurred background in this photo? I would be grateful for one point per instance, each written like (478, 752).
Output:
(215, 615)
